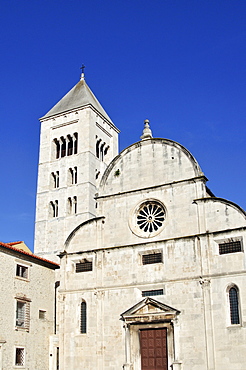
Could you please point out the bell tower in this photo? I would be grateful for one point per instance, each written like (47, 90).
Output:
(77, 142)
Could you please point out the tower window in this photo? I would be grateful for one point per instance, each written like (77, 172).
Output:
(70, 145)
(73, 176)
(55, 179)
(83, 317)
(234, 305)
(66, 146)
(101, 149)
(69, 206)
(54, 208)
(58, 147)
(75, 143)
(98, 148)
(75, 204)
(63, 147)
(72, 205)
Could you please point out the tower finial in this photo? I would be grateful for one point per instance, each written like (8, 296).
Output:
(147, 134)
(82, 77)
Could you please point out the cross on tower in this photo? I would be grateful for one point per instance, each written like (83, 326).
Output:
(82, 68)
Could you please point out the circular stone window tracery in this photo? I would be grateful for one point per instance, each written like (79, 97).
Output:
(148, 219)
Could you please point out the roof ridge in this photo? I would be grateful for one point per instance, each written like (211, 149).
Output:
(79, 96)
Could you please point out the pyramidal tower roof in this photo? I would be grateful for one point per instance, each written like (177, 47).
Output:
(79, 96)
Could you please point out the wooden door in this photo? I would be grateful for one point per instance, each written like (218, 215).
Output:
(153, 345)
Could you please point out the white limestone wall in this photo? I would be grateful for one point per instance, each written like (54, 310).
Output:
(189, 285)
(39, 288)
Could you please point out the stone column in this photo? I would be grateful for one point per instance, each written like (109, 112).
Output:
(176, 365)
(127, 365)
(208, 322)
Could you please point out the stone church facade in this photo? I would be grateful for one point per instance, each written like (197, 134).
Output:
(152, 264)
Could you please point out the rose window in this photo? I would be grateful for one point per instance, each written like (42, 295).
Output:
(150, 217)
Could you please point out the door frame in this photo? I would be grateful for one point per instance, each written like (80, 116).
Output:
(135, 350)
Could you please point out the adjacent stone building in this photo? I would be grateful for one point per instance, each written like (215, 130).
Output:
(152, 263)
(27, 309)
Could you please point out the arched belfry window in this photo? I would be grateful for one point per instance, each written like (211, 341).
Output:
(69, 145)
(58, 148)
(66, 145)
(83, 317)
(63, 147)
(234, 305)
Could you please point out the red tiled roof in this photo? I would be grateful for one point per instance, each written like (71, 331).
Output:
(14, 243)
(9, 246)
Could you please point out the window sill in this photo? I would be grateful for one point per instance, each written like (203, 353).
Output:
(22, 278)
(19, 328)
(234, 326)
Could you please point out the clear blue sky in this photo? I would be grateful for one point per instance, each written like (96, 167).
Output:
(181, 64)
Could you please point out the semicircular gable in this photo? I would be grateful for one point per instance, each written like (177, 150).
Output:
(84, 236)
(149, 163)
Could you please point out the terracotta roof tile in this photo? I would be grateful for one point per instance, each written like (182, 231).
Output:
(9, 246)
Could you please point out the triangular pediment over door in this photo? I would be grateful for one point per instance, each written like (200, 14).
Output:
(149, 310)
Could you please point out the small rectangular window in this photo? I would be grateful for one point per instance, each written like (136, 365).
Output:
(19, 356)
(84, 266)
(151, 258)
(22, 271)
(148, 293)
(42, 314)
(230, 247)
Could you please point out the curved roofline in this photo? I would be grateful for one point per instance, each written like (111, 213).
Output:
(222, 200)
(72, 234)
(144, 142)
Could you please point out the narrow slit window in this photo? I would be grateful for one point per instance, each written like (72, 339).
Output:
(102, 151)
(75, 143)
(56, 208)
(75, 176)
(98, 148)
(69, 206)
(75, 204)
(234, 306)
(83, 318)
